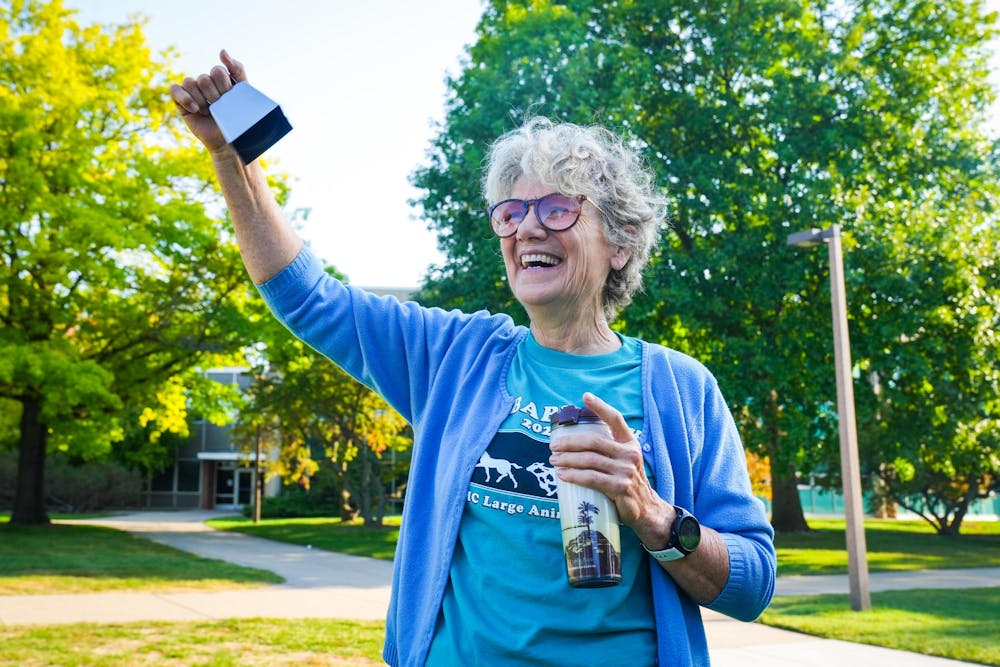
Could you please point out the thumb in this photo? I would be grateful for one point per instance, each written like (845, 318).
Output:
(235, 67)
(610, 416)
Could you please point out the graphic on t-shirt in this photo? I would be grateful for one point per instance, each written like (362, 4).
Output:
(502, 466)
(517, 463)
(513, 477)
(546, 477)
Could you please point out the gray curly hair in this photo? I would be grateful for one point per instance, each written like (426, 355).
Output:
(592, 161)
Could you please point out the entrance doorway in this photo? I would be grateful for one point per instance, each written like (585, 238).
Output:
(233, 486)
(225, 487)
(244, 486)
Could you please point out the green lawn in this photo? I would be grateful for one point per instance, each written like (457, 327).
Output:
(891, 545)
(956, 624)
(230, 643)
(330, 534)
(960, 625)
(61, 558)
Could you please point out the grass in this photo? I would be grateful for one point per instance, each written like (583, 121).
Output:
(62, 558)
(330, 534)
(952, 624)
(892, 545)
(264, 642)
(955, 624)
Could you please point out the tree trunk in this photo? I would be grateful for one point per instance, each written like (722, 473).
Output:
(786, 506)
(953, 527)
(884, 504)
(29, 492)
(372, 491)
(378, 494)
(365, 496)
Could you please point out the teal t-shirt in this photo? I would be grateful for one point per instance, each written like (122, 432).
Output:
(508, 601)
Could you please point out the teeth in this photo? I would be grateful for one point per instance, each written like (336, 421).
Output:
(548, 260)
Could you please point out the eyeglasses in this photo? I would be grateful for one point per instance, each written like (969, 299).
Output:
(555, 212)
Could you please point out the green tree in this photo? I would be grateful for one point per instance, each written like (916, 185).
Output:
(925, 281)
(761, 119)
(305, 407)
(929, 399)
(118, 281)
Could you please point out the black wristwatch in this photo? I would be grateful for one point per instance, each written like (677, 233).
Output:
(685, 536)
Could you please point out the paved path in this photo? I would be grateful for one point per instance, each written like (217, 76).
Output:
(322, 584)
(890, 581)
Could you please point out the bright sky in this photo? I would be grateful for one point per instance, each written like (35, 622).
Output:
(361, 84)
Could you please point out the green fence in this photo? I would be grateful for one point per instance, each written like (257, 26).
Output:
(821, 501)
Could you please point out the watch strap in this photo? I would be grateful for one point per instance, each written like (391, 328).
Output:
(665, 555)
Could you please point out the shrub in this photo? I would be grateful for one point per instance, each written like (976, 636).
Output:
(76, 487)
(295, 502)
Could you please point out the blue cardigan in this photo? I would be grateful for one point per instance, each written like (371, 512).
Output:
(445, 372)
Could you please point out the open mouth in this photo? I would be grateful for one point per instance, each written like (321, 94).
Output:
(536, 261)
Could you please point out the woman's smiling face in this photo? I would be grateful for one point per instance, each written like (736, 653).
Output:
(559, 274)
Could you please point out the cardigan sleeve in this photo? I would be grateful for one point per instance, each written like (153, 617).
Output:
(706, 472)
(725, 498)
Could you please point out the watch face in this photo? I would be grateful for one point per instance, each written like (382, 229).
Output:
(688, 534)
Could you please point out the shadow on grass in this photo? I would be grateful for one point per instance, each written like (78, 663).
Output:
(892, 545)
(62, 558)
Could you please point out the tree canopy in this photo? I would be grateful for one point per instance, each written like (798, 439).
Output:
(761, 119)
(119, 282)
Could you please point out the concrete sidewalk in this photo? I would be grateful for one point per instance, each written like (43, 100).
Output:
(321, 584)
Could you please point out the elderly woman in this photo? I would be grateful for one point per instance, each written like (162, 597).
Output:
(479, 575)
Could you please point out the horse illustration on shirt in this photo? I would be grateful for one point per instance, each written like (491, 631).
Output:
(502, 466)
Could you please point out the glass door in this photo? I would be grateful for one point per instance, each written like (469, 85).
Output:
(225, 487)
(244, 486)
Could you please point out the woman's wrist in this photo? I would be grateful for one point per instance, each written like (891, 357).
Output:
(653, 529)
(225, 155)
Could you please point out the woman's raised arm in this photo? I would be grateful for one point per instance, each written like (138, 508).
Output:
(266, 238)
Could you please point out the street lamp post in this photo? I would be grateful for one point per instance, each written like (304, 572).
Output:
(258, 482)
(857, 557)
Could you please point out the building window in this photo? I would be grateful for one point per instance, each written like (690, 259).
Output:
(163, 481)
(188, 475)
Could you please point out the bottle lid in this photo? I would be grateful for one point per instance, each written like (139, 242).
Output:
(570, 414)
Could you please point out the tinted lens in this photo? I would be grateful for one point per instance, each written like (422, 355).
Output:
(558, 212)
(507, 215)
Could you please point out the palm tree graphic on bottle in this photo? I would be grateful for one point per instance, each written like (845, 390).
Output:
(590, 555)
